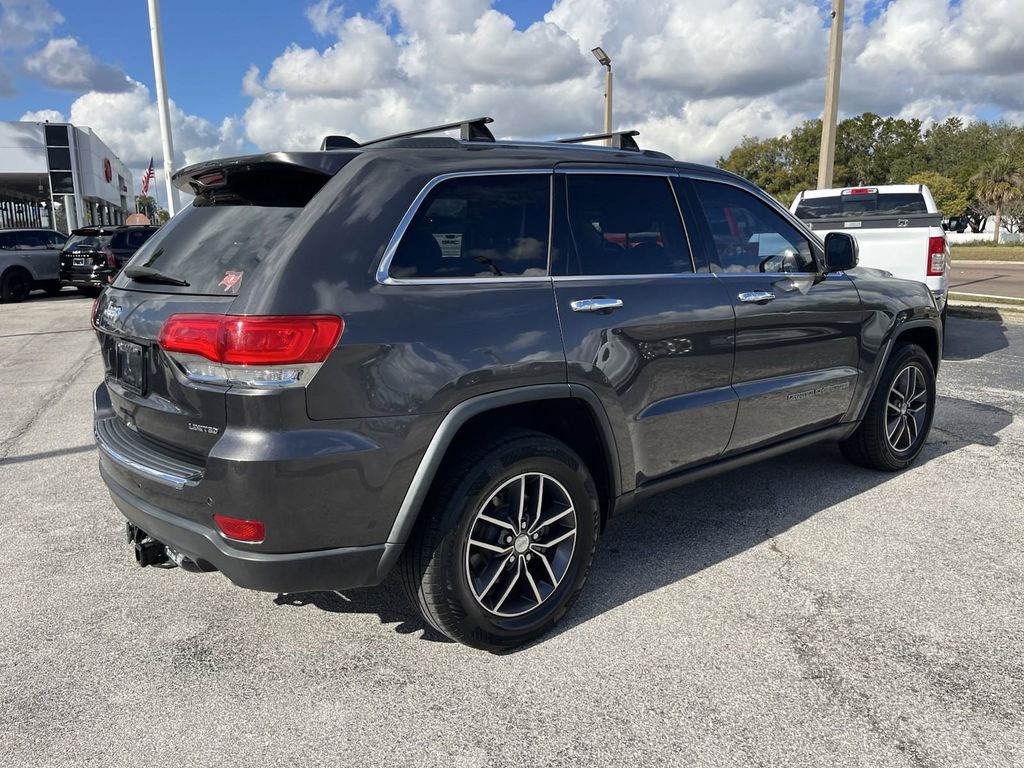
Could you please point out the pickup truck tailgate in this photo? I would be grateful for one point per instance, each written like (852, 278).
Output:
(896, 244)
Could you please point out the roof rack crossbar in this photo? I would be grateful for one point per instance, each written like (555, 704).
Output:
(620, 139)
(474, 129)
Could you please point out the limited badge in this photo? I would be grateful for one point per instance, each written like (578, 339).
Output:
(231, 279)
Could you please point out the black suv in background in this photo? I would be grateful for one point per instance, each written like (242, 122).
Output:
(461, 357)
(93, 255)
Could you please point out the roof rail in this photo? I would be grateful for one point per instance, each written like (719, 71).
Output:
(474, 129)
(620, 139)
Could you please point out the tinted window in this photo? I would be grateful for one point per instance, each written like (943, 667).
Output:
(483, 226)
(839, 206)
(62, 182)
(57, 240)
(33, 240)
(7, 241)
(137, 237)
(87, 242)
(59, 158)
(119, 240)
(204, 243)
(624, 225)
(56, 135)
(748, 235)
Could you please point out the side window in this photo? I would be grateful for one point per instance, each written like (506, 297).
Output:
(32, 241)
(479, 226)
(624, 225)
(7, 242)
(57, 240)
(748, 235)
(137, 237)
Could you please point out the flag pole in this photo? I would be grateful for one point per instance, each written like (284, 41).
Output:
(161, 100)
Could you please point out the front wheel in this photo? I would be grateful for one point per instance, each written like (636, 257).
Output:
(505, 543)
(895, 427)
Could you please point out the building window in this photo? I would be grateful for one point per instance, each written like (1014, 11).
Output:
(59, 158)
(57, 136)
(62, 182)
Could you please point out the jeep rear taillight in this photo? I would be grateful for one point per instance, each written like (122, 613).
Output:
(257, 351)
(936, 256)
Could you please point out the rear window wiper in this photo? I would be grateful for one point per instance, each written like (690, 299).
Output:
(150, 275)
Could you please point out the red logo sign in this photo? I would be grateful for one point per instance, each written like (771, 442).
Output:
(231, 279)
(108, 172)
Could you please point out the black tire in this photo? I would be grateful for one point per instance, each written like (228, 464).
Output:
(53, 289)
(871, 446)
(436, 565)
(15, 286)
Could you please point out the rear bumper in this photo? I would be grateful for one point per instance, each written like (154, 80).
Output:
(341, 568)
(85, 276)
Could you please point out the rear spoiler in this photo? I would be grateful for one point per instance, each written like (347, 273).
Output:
(200, 177)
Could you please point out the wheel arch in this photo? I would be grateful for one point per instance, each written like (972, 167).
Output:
(926, 333)
(573, 415)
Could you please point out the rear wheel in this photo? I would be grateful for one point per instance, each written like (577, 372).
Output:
(895, 428)
(506, 541)
(15, 286)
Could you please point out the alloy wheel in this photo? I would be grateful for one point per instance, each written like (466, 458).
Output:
(521, 544)
(906, 409)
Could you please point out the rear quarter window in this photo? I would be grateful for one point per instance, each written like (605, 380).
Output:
(479, 226)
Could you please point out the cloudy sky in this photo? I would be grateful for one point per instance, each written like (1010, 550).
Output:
(694, 76)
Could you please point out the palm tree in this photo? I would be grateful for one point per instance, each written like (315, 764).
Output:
(997, 185)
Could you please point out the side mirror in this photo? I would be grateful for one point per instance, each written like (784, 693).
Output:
(841, 252)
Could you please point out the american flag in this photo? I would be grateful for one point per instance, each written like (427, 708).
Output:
(147, 177)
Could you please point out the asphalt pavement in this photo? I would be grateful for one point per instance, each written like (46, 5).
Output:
(988, 278)
(802, 612)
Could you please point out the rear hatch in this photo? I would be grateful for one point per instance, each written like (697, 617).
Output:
(194, 264)
(893, 229)
(85, 249)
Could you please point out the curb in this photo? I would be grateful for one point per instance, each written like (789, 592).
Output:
(999, 312)
(983, 262)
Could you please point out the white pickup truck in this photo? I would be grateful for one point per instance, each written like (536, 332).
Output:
(897, 227)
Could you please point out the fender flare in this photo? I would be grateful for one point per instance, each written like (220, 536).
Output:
(898, 330)
(429, 464)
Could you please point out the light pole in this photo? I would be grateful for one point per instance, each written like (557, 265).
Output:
(161, 101)
(827, 156)
(605, 61)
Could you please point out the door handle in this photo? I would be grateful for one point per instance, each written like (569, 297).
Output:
(756, 297)
(595, 305)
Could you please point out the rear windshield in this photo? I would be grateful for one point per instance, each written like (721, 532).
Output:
(87, 241)
(843, 206)
(213, 247)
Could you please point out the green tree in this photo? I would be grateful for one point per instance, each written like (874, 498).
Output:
(949, 197)
(998, 185)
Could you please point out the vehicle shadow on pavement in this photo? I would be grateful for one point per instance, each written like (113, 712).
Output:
(970, 339)
(685, 531)
(682, 532)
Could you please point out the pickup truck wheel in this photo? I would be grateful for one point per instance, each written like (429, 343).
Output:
(895, 428)
(505, 543)
(15, 286)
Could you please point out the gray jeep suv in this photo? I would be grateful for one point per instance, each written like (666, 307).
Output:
(462, 357)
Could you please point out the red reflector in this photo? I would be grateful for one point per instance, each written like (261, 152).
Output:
(936, 256)
(253, 340)
(241, 530)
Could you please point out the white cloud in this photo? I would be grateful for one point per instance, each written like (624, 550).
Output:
(693, 75)
(22, 21)
(43, 116)
(65, 64)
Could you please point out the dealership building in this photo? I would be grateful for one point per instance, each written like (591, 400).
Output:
(61, 176)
